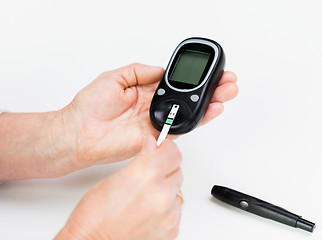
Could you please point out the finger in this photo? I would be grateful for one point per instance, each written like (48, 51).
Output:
(143, 159)
(175, 180)
(139, 74)
(172, 219)
(173, 233)
(225, 92)
(213, 111)
(166, 158)
(161, 162)
(227, 77)
(172, 216)
(149, 144)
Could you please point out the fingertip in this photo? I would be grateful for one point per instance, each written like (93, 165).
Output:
(236, 90)
(149, 144)
(146, 74)
(165, 159)
(171, 148)
(157, 70)
(144, 67)
(213, 111)
(231, 91)
(142, 160)
(138, 74)
(232, 76)
(228, 76)
(167, 143)
(216, 108)
(225, 92)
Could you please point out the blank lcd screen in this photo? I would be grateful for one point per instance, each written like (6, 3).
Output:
(189, 67)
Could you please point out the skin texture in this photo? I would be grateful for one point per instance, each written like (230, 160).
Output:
(130, 95)
(107, 121)
(139, 202)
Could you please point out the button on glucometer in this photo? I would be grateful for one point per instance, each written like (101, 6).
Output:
(194, 98)
(189, 81)
(243, 204)
(161, 91)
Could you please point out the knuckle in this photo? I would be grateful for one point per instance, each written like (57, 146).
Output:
(129, 72)
(155, 173)
(149, 175)
(174, 233)
(107, 75)
(172, 219)
(178, 155)
(135, 64)
(163, 201)
(144, 169)
(180, 177)
(133, 67)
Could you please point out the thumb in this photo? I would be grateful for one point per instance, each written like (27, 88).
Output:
(141, 160)
(139, 74)
(149, 144)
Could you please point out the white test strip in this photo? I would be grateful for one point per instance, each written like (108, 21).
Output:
(168, 122)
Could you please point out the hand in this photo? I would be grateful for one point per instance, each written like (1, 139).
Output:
(111, 115)
(138, 202)
(106, 122)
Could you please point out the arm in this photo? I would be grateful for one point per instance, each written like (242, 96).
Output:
(139, 202)
(106, 122)
(35, 145)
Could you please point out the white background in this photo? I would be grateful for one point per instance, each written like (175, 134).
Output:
(267, 143)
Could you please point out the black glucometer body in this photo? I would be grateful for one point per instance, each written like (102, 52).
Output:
(190, 80)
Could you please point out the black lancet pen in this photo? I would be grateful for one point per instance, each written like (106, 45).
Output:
(261, 208)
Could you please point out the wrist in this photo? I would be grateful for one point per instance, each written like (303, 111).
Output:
(62, 142)
(74, 231)
(33, 145)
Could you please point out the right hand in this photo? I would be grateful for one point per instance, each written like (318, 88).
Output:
(138, 202)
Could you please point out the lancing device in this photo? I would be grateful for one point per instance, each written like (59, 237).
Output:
(261, 208)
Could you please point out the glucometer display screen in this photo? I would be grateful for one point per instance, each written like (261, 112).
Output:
(189, 67)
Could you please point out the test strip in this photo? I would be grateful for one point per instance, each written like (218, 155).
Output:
(168, 122)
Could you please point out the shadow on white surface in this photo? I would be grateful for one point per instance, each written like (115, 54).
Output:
(48, 190)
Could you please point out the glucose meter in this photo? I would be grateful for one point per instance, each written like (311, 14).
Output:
(188, 85)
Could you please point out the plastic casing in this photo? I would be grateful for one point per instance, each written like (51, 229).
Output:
(261, 208)
(190, 113)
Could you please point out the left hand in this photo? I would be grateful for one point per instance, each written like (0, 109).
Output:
(110, 117)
